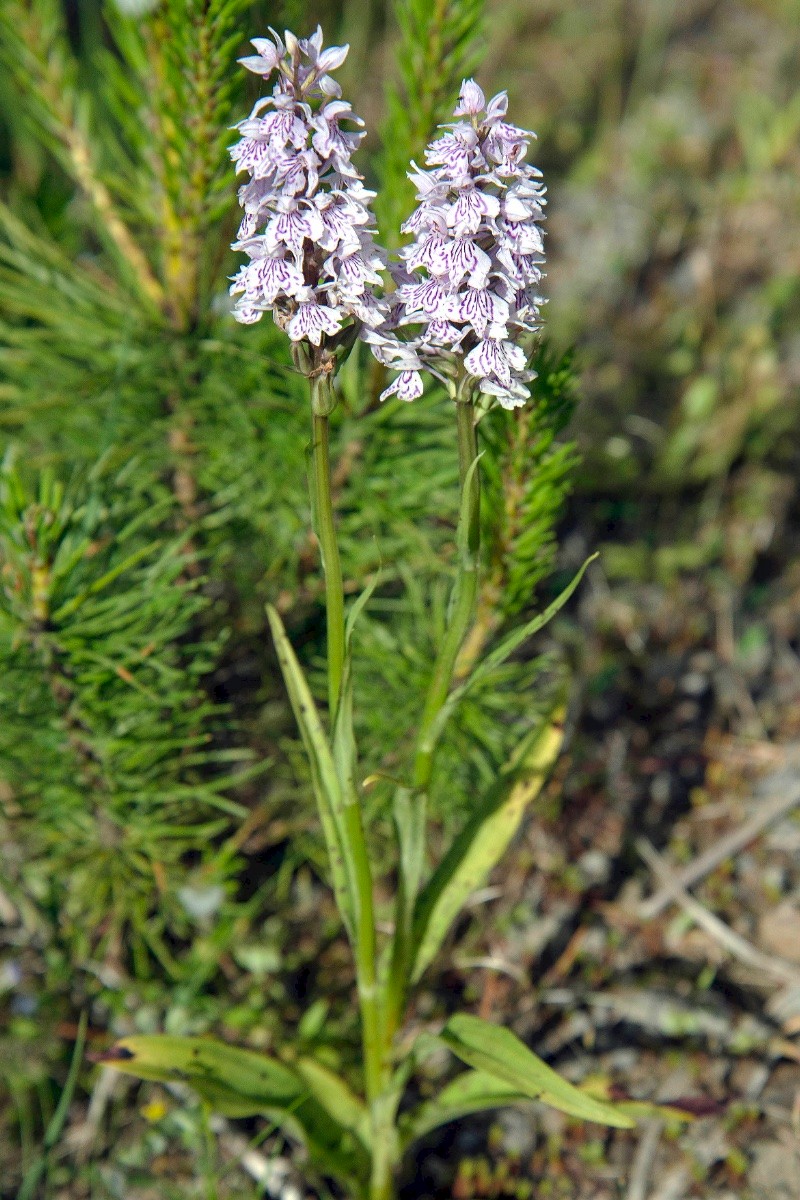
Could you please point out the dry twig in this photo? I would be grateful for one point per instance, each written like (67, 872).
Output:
(643, 1160)
(726, 847)
(733, 942)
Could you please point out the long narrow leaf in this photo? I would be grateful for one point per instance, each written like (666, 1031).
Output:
(34, 1173)
(242, 1083)
(470, 1092)
(324, 775)
(409, 818)
(335, 1097)
(501, 1054)
(235, 1082)
(515, 639)
(501, 653)
(480, 845)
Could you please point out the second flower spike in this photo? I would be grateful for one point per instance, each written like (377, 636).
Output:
(469, 288)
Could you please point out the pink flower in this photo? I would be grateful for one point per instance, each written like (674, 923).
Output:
(469, 280)
(312, 320)
(307, 226)
(479, 308)
(408, 386)
(471, 100)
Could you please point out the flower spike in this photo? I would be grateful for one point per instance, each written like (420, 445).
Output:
(469, 283)
(308, 226)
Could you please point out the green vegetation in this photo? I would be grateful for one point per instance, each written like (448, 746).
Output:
(162, 865)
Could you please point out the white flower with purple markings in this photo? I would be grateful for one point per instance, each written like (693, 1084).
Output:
(308, 226)
(470, 278)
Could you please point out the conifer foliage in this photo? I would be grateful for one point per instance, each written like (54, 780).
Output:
(437, 46)
(105, 743)
(117, 762)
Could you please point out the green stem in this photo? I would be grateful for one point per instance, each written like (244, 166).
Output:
(464, 595)
(385, 1145)
(376, 1066)
(381, 1184)
(462, 609)
(366, 955)
(326, 533)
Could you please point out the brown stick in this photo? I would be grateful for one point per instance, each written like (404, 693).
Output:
(726, 847)
(733, 942)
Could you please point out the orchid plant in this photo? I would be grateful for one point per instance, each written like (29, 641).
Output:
(455, 305)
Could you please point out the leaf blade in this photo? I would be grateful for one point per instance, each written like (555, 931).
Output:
(480, 846)
(237, 1082)
(470, 1092)
(324, 774)
(502, 652)
(335, 1097)
(500, 1053)
(243, 1083)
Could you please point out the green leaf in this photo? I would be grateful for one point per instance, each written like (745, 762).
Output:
(31, 1182)
(409, 817)
(345, 757)
(335, 1097)
(468, 530)
(481, 843)
(501, 653)
(324, 775)
(500, 1053)
(345, 754)
(242, 1083)
(473, 1091)
(515, 639)
(235, 1082)
(409, 811)
(357, 608)
(643, 1110)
